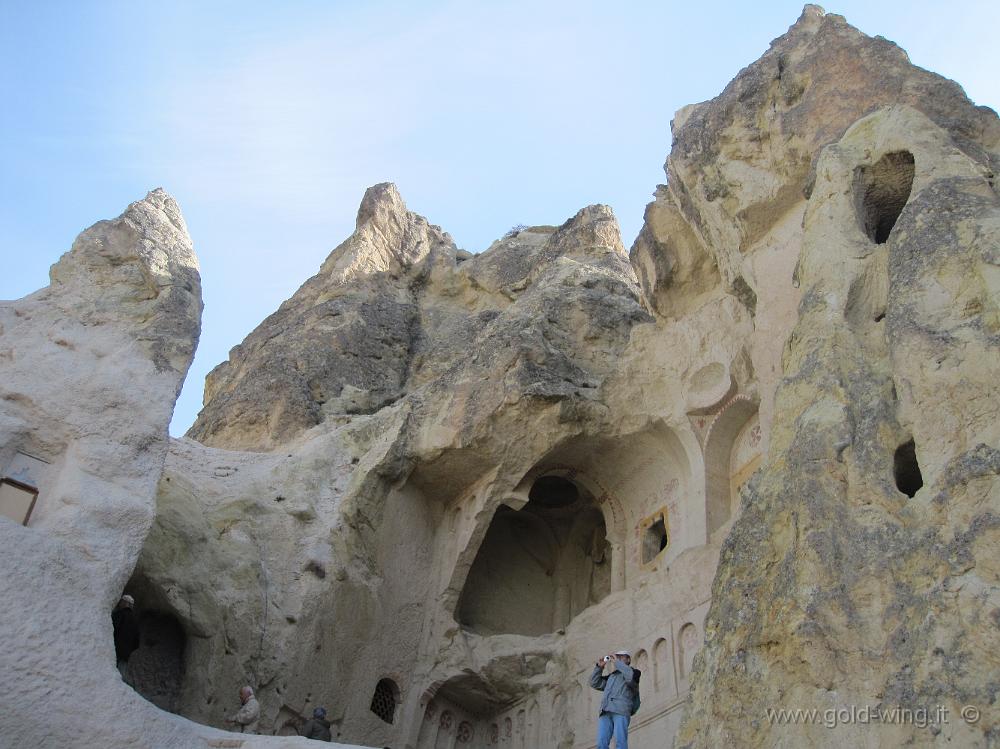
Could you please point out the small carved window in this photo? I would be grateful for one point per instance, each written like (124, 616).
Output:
(19, 486)
(384, 700)
(17, 500)
(654, 538)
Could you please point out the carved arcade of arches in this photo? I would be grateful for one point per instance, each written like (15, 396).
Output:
(574, 531)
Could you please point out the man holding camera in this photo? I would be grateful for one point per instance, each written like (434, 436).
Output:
(619, 689)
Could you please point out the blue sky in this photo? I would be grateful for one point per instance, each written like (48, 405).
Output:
(267, 121)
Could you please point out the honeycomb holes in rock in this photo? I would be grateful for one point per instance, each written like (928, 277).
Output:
(881, 191)
(906, 470)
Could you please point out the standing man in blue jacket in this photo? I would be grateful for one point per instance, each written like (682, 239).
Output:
(616, 706)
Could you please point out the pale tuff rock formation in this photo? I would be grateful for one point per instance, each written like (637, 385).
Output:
(90, 367)
(341, 344)
(835, 588)
(348, 535)
(742, 160)
(759, 450)
(389, 311)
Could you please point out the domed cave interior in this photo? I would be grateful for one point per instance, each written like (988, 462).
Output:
(539, 566)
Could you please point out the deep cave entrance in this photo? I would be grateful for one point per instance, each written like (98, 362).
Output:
(538, 566)
(906, 470)
(156, 669)
(880, 192)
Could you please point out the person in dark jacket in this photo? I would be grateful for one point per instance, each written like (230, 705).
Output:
(126, 631)
(317, 727)
(619, 688)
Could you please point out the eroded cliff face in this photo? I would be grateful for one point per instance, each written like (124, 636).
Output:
(861, 571)
(345, 534)
(397, 307)
(90, 367)
(432, 487)
(470, 474)
(744, 159)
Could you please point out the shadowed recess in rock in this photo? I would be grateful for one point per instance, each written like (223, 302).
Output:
(539, 566)
(906, 470)
(156, 669)
(881, 191)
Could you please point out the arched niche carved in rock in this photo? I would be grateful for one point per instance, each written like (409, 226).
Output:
(687, 646)
(732, 454)
(641, 662)
(538, 566)
(663, 666)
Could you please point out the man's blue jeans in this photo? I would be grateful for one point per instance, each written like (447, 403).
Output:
(608, 723)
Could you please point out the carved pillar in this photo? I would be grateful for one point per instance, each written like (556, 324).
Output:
(412, 714)
(617, 567)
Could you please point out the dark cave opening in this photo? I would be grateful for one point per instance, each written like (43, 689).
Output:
(654, 540)
(156, 669)
(539, 566)
(906, 470)
(881, 191)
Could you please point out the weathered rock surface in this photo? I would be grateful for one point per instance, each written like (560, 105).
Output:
(394, 307)
(340, 345)
(535, 358)
(431, 488)
(744, 159)
(89, 369)
(835, 588)
(329, 529)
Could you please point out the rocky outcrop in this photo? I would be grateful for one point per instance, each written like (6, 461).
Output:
(842, 582)
(340, 345)
(746, 158)
(860, 572)
(90, 367)
(103, 350)
(517, 340)
(395, 307)
(780, 317)
(431, 488)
